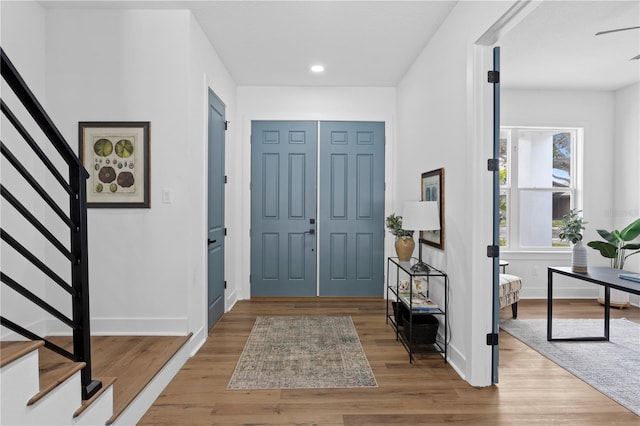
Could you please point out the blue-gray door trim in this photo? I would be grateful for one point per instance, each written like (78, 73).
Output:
(496, 217)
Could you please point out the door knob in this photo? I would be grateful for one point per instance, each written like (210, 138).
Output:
(310, 231)
(210, 241)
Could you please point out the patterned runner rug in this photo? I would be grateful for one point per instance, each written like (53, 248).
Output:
(302, 352)
(611, 367)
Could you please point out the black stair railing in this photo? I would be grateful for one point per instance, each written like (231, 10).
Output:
(75, 220)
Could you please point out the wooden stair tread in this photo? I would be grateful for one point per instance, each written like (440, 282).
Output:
(11, 351)
(151, 360)
(54, 373)
(106, 383)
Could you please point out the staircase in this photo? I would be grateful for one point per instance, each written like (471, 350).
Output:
(35, 394)
(41, 166)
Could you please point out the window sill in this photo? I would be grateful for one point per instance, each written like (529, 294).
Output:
(535, 254)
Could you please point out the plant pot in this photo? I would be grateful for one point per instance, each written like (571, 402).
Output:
(404, 248)
(579, 258)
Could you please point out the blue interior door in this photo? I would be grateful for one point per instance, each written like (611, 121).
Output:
(283, 208)
(215, 210)
(351, 222)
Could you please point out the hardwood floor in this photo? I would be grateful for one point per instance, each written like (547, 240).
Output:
(132, 360)
(532, 389)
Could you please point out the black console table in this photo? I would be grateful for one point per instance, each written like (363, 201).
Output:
(607, 277)
(410, 302)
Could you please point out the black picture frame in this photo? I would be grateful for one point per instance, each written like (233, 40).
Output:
(432, 186)
(117, 156)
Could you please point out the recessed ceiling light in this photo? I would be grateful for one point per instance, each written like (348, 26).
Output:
(317, 68)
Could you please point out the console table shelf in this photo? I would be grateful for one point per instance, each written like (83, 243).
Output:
(404, 301)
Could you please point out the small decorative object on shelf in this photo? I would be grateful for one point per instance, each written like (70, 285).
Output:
(415, 317)
(571, 230)
(404, 237)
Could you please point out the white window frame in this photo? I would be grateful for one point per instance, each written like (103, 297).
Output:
(512, 191)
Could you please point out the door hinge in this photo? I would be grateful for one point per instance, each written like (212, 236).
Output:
(493, 77)
(225, 178)
(225, 284)
(493, 251)
(226, 125)
(493, 164)
(225, 232)
(492, 339)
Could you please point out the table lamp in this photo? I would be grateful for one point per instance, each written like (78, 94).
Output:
(420, 216)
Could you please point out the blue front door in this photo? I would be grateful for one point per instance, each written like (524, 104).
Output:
(351, 221)
(284, 221)
(283, 208)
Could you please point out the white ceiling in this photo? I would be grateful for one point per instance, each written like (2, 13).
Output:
(373, 43)
(361, 43)
(555, 47)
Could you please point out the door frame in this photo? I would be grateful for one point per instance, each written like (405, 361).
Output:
(481, 129)
(388, 119)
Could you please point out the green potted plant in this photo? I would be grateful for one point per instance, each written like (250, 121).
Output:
(404, 238)
(571, 230)
(616, 244)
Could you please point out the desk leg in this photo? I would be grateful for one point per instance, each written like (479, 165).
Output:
(549, 302)
(607, 311)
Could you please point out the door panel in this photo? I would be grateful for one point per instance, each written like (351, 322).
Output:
(215, 211)
(283, 205)
(351, 239)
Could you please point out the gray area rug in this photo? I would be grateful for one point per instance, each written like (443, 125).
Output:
(611, 367)
(302, 352)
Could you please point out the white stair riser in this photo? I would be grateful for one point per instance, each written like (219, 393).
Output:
(18, 383)
(98, 412)
(58, 406)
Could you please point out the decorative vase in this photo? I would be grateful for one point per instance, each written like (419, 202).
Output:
(404, 248)
(579, 258)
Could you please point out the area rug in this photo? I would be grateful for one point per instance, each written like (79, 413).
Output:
(302, 352)
(611, 367)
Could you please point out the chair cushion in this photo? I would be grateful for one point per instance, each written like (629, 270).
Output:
(510, 286)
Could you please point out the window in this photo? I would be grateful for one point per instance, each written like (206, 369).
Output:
(538, 185)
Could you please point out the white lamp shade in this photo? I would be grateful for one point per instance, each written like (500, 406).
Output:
(421, 216)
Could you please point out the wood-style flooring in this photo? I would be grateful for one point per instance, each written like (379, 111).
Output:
(532, 389)
(133, 361)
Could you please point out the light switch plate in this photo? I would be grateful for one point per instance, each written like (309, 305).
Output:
(166, 196)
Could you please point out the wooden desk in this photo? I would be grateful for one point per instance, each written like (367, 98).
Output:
(607, 277)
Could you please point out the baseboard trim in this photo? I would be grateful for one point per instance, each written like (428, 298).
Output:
(127, 327)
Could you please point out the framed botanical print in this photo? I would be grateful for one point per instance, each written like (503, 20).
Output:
(432, 186)
(116, 155)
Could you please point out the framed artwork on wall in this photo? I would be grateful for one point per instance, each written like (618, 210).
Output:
(432, 185)
(116, 155)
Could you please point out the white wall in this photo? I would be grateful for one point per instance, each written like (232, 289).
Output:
(208, 72)
(593, 111)
(626, 158)
(437, 128)
(110, 65)
(147, 266)
(22, 38)
(305, 103)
